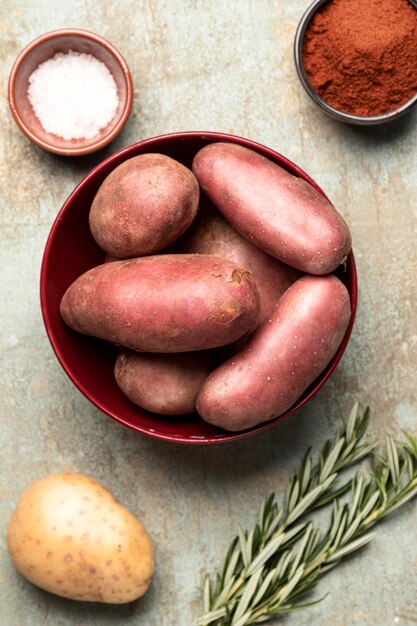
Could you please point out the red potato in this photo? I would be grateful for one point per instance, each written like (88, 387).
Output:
(164, 303)
(215, 235)
(280, 213)
(281, 359)
(143, 205)
(163, 383)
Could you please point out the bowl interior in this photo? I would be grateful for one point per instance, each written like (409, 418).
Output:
(44, 48)
(71, 250)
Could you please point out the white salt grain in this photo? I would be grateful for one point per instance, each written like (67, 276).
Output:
(73, 95)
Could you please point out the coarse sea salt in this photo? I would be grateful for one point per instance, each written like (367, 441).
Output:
(73, 95)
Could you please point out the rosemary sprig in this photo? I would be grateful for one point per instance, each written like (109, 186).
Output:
(268, 569)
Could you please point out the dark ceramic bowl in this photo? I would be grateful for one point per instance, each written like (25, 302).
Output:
(337, 114)
(71, 250)
(44, 48)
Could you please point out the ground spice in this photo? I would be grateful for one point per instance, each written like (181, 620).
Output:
(73, 95)
(361, 55)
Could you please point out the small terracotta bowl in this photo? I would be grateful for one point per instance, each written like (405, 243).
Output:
(44, 48)
(337, 114)
(89, 362)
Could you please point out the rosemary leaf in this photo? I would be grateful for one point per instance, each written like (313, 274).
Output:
(309, 499)
(331, 460)
(295, 578)
(242, 621)
(209, 618)
(281, 569)
(274, 523)
(408, 495)
(333, 495)
(338, 526)
(223, 596)
(264, 587)
(351, 547)
(231, 563)
(352, 423)
(265, 554)
(305, 473)
(247, 596)
(244, 548)
(207, 594)
(393, 459)
(360, 453)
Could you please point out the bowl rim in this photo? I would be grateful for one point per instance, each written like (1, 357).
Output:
(358, 120)
(223, 436)
(90, 146)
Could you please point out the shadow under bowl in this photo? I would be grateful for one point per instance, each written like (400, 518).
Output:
(71, 250)
(44, 48)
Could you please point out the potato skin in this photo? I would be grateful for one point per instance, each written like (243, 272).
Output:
(143, 205)
(164, 303)
(215, 235)
(281, 359)
(70, 536)
(282, 214)
(167, 384)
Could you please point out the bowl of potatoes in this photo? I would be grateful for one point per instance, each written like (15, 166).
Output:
(198, 287)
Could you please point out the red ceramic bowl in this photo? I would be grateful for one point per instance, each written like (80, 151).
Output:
(71, 250)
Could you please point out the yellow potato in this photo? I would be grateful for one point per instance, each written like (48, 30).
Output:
(70, 536)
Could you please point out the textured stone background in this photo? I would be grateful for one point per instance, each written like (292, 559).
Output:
(226, 66)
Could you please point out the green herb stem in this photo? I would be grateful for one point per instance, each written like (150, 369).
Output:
(268, 569)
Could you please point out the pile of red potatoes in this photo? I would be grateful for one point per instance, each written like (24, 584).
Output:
(231, 312)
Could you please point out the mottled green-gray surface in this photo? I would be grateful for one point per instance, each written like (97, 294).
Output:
(226, 66)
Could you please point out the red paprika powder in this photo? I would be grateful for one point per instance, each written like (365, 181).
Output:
(361, 55)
